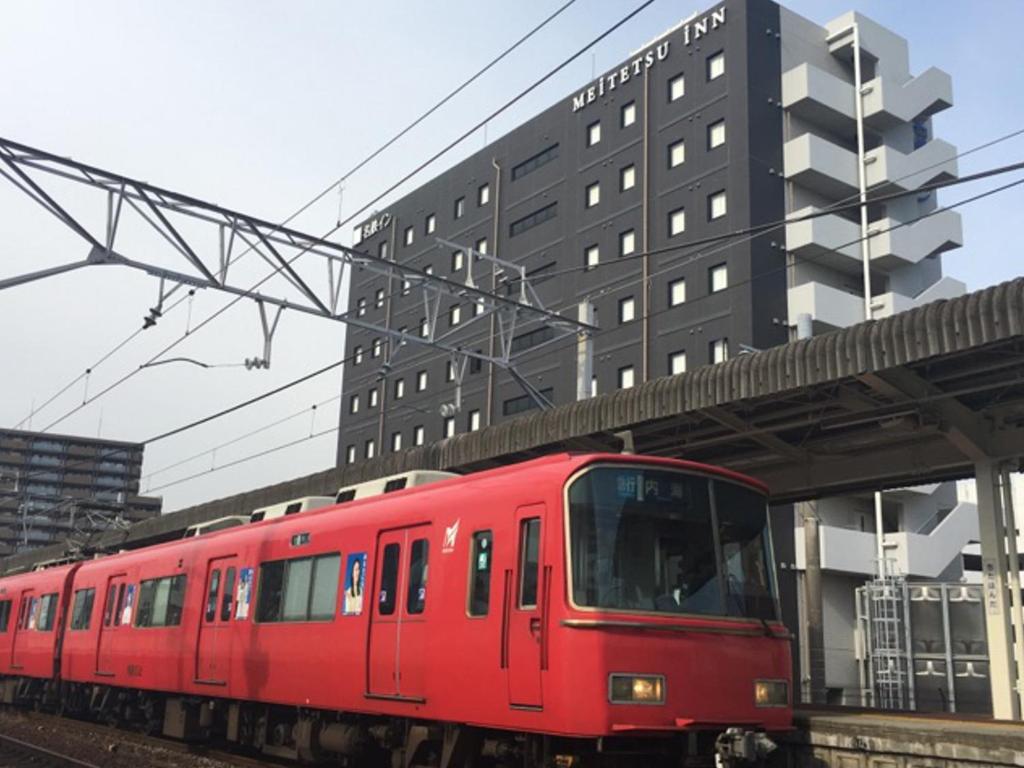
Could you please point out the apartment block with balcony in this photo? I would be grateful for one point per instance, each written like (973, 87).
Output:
(55, 488)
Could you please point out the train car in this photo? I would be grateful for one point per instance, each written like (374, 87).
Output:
(556, 611)
(32, 611)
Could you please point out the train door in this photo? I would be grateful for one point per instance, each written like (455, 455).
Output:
(525, 623)
(26, 606)
(113, 614)
(213, 649)
(397, 650)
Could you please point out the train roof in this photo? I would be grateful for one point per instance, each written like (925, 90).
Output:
(560, 464)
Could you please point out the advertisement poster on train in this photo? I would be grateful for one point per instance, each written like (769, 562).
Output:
(355, 577)
(129, 604)
(243, 595)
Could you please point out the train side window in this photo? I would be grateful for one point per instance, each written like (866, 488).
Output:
(120, 604)
(211, 596)
(416, 597)
(303, 589)
(323, 593)
(389, 579)
(5, 614)
(529, 561)
(47, 612)
(176, 600)
(268, 604)
(296, 589)
(81, 610)
(108, 610)
(480, 573)
(147, 595)
(228, 595)
(23, 612)
(160, 602)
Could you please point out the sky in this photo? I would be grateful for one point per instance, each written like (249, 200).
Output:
(258, 106)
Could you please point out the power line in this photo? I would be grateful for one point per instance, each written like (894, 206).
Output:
(302, 209)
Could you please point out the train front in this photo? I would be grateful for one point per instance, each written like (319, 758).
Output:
(671, 625)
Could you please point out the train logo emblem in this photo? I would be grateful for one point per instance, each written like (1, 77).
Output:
(450, 534)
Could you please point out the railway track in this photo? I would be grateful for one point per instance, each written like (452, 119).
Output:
(15, 753)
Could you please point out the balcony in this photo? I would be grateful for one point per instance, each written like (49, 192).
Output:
(890, 170)
(821, 165)
(911, 243)
(828, 240)
(825, 304)
(820, 98)
(888, 104)
(887, 304)
(914, 554)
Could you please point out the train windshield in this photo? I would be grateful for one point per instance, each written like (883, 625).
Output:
(655, 540)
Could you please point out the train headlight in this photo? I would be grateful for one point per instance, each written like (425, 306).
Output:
(636, 689)
(771, 693)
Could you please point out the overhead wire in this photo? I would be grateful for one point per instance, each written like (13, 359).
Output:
(315, 199)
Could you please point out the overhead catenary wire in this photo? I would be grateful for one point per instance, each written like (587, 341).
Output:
(319, 196)
(546, 349)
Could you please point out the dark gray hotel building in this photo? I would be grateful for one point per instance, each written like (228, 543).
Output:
(743, 114)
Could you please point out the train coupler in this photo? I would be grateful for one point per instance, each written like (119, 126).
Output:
(738, 747)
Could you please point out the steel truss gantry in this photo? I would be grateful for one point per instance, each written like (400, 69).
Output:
(225, 235)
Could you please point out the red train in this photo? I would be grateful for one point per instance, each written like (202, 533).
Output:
(554, 612)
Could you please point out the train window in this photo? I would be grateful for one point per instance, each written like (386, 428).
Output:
(529, 561)
(746, 555)
(303, 589)
(389, 579)
(160, 602)
(480, 573)
(5, 614)
(81, 609)
(47, 612)
(416, 597)
(120, 604)
(229, 594)
(211, 596)
(108, 610)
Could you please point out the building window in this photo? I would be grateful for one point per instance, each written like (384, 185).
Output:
(523, 403)
(677, 222)
(449, 371)
(593, 194)
(455, 315)
(449, 426)
(628, 114)
(627, 242)
(382, 249)
(532, 220)
(716, 205)
(627, 310)
(483, 194)
(716, 134)
(474, 421)
(460, 207)
(676, 153)
(417, 435)
(350, 455)
(378, 298)
(406, 285)
(676, 363)
(716, 65)
(396, 441)
(424, 328)
(357, 354)
(591, 256)
(429, 269)
(719, 350)
(626, 377)
(627, 178)
(677, 292)
(360, 307)
(430, 225)
(353, 404)
(457, 261)
(399, 389)
(369, 449)
(676, 87)
(478, 307)
(481, 245)
(372, 397)
(718, 278)
(593, 386)
(375, 349)
(409, 235)
(421, 381)
(593, 133)
(543, 157)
